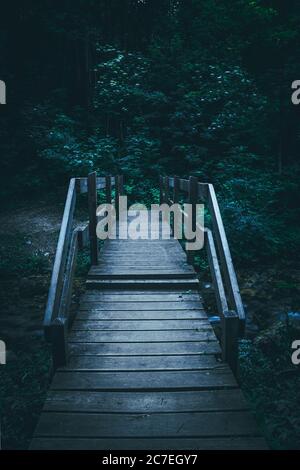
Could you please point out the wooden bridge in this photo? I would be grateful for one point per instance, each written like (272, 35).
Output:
(139, 365)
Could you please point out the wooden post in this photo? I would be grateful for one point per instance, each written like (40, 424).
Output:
(92, 198)
(176, 189)
(108, 189)
(58, 332)
(161, 190)
(230, 333)
(80, 240)
(119, 191)
(121, 185)
(167, 189)
(192, 199)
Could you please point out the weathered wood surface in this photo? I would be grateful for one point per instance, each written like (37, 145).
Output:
(145, 368)
(92, 202)
(56, 284)
(215, 443)
(144, 349)
(152, 402)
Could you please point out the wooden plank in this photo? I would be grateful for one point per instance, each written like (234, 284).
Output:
(149, 402)
(177, 268)
(159, 247)
(135, 244)
(144, 349)
(136, 263)
(159, 260)
(131, 271)
(140, 266)
(141, 363)
(138, 284)
(153, 425)
(140, 275)
(148, 315)
(139, 297)
(143, 325)
(167, 252)
(139, 306)
(181, 380)
(135, 294)
(131, 260)
(60, 256)
(92, 202)
(140, 336)
(157, 243)
(160, 257)
(141, 253)
(214, 443)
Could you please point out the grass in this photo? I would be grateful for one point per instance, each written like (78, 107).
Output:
(15, 259)
(24, 381)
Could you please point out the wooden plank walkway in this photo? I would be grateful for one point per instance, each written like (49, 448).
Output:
(144, 370)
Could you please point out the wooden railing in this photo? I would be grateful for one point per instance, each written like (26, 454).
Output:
(228, 299)
(57, 315)
(57, 318)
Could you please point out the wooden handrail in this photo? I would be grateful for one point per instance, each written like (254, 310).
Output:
(82, 183)
(60, 257)
(225, 255)
(57, 318)
(207, 194)
(233, 318)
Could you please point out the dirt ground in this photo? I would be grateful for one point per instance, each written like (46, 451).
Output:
(34, 230)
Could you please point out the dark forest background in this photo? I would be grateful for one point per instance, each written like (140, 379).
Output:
(143, 87)
(150, 87)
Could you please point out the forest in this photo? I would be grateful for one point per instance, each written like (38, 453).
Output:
(145, 88)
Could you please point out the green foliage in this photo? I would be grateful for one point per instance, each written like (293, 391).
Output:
(23, 385)
(15, 259)
(271, 384)
(142, 88)
(199, 95)
(83, 263)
